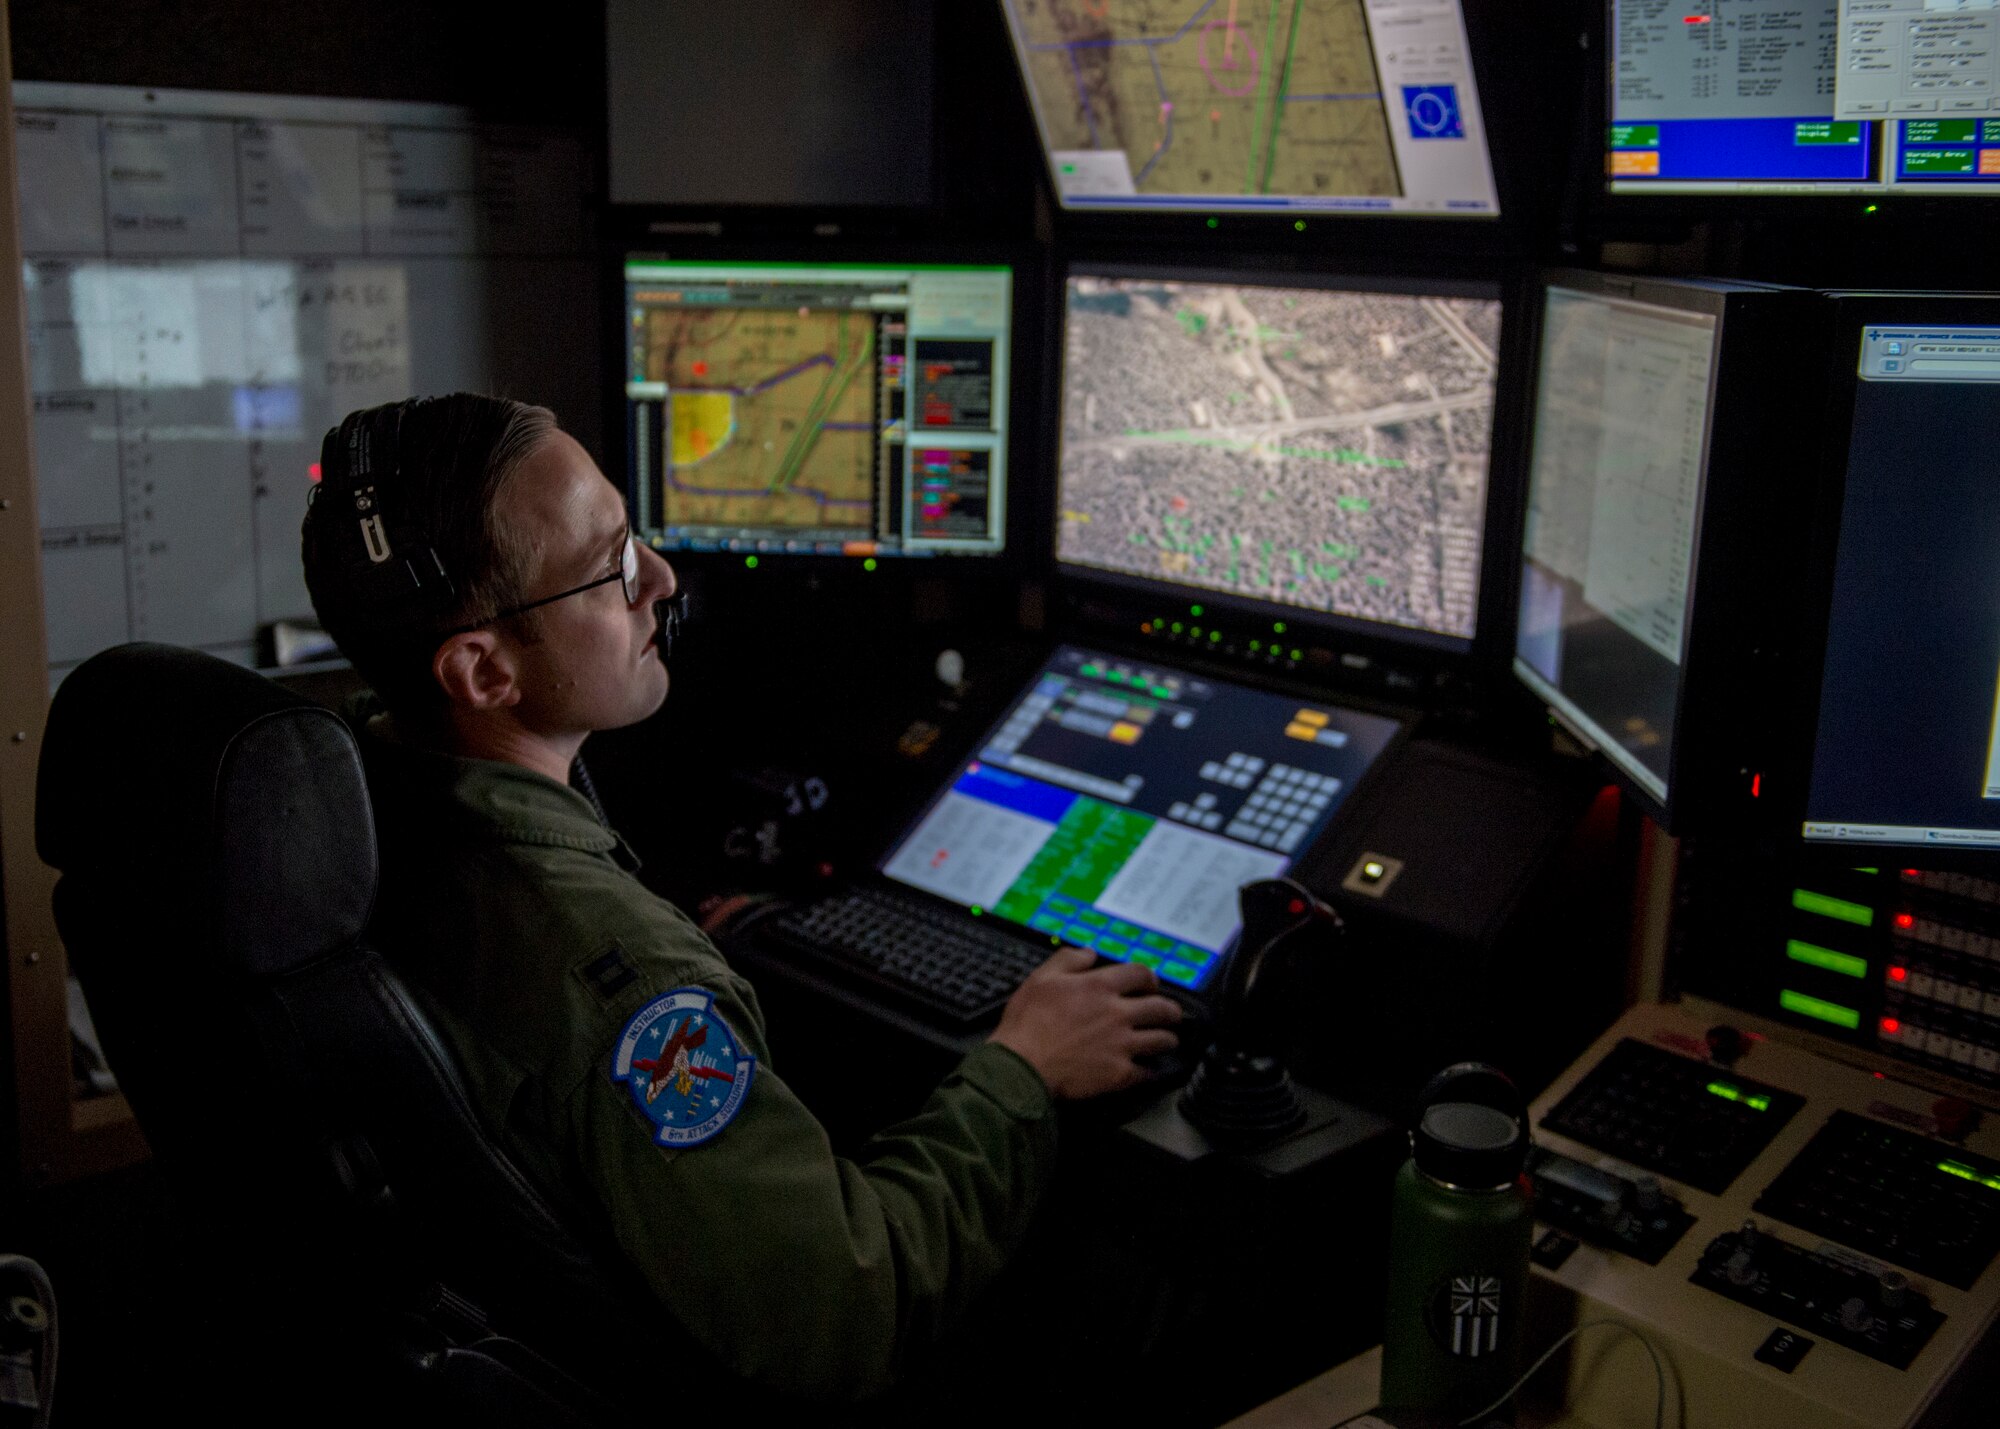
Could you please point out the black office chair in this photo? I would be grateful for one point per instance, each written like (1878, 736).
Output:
(218, 863)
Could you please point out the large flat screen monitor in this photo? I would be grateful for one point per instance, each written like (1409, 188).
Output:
(829, 409)
(1119, 804)
(1795, 97)
(1308, 446)
(1280, 106)
(1906, 753)
(1667, 421)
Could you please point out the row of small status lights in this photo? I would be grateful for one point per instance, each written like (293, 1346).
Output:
(1164, 626)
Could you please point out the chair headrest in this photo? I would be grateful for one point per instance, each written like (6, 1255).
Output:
(236, 805)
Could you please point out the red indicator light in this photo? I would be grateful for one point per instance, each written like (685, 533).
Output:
(313, 471)
(1296, 907)
(1890, 1027)
(1898, 974)
(1911, 873)
(1147, 628)
(1696, 19)
(1906, 920)
(1756, 785)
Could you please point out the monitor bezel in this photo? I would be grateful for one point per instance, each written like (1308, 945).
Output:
(1851, 311)
(719, 244)
(1684, 295)
(1144, 597)
(1643, 213)
(1183, 220)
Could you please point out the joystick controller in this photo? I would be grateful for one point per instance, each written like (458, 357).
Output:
(1240, 1093)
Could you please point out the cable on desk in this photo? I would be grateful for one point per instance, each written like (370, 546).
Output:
(1659, 1372)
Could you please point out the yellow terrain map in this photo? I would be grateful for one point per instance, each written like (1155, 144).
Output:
(770, 415)
(1225, 97)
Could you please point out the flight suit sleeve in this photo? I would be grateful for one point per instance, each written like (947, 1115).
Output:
(804, 1272)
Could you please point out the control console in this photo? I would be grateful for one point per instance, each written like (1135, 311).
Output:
(1809, 1243)
(1877, 1312)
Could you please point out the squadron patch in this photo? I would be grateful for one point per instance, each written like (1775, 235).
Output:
(683, 1066)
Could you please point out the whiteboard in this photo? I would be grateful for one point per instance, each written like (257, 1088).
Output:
(213, 280)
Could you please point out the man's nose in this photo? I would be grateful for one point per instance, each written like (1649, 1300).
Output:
(656, 578)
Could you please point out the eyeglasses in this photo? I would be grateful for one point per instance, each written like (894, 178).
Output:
(627, 572)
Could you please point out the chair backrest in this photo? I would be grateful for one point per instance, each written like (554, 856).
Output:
(218, 862)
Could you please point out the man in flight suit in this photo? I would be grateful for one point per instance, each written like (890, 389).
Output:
(479, 571)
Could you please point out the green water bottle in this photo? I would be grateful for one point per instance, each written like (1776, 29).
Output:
(1460, 1223)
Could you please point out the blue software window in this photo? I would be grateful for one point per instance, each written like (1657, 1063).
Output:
(1804, 150)
(1956, 151)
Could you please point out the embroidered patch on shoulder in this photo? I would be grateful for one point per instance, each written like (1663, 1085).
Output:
(683, 1066)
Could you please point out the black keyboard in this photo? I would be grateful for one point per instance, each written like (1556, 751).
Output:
(1694, 1122)
(934, 958)
(1926, 1205)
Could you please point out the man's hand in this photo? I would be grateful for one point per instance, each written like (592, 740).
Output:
(1081, 1026)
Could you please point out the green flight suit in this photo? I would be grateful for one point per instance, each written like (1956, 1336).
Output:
(514, 908)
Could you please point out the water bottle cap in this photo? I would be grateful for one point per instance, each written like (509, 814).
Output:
(1467, 1144)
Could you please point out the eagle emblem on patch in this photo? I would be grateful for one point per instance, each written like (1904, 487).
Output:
(683, 1066)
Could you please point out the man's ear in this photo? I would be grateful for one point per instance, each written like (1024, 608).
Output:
(476, 670)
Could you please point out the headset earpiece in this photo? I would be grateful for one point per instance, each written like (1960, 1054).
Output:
(393, 571)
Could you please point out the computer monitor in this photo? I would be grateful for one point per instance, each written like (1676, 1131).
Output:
(1118, 805)
(844, 409)
(1306, 447)
(1906, 747)
(1788, 97)
(1665, 456)
(1287, 107)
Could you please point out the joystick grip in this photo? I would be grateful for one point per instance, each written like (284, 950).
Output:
(1240, 1092)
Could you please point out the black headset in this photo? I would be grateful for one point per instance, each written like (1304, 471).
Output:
(392, 570)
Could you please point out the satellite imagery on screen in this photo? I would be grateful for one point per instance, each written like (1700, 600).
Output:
(1323, 449)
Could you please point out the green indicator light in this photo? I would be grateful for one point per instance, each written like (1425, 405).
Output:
(1298, 655)
(1857, 913)
(750, 562)
(1867, 870)
(1299, 225)
(1818, 1008)
(1966, 1173)
(1873, 208)
(869, 564)
(1213, 223)
(1195, 611)
(1256, 645)
(1736, 1094)
(1214, 635)
(977, 910)
(1195, 632)
(1069, 168)
(1278, 628)
(1178, 627)
(1812, 955)
(1118, 677)
(1163, 692)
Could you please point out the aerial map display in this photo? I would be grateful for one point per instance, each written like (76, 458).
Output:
(1319, 448)
(772, 417)
(1358, 104)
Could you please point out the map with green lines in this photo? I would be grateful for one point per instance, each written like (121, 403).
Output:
(1316, 448)
(1219, 98)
